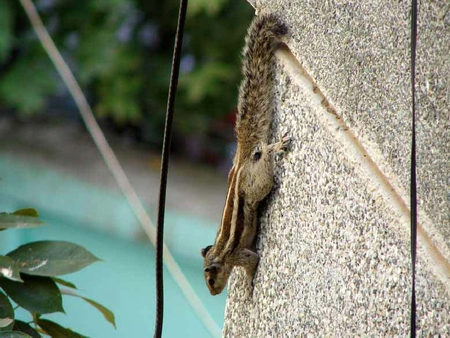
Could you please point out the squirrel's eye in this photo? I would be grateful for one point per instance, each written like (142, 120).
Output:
(257, 155)
(206, 270)
(211, 281)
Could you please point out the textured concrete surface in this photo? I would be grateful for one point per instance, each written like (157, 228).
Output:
(358, 55)
(334, 250)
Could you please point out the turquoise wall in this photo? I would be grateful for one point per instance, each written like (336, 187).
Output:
(100, 220)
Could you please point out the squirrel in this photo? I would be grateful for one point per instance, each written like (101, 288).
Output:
(250, 179)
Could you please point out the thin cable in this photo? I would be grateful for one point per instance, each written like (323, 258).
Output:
(165, 168)
(114, 166)
(413, 167)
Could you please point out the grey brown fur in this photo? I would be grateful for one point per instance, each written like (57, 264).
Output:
(256, 89)
(251, 178)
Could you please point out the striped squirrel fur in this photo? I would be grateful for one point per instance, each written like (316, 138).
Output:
(250, 179)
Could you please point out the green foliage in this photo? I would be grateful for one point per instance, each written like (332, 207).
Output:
(6, 313)
(210, 7)
(35, 294)
(205, 82)
(109, 316)
(64, 282)
(13, 334)
(5, 29)
(9, 269)
(25, 328)
(120, 51)
(57, 331)
(27, 82)
(51, 258)
(118, 89)
(24, 218)
(28, 278)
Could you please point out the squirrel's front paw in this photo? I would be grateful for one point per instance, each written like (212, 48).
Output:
(282, 147)
(285, 142)
(250, 286)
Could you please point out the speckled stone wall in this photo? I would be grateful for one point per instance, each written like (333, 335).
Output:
(334, 249)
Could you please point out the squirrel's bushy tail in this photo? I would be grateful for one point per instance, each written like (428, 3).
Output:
(256, 89)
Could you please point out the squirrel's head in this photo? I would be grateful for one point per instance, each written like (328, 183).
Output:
(216, 273)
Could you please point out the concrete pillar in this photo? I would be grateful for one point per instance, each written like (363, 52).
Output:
(334, 234)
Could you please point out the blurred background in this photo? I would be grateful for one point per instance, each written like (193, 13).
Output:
(120, 52)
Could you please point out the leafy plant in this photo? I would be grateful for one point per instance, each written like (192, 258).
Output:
(29, 279)
(120, 51)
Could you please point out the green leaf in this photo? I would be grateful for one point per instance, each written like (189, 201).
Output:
(35, 294)
(6, 313)
(6, 323)
(14, 220)
(109, 316)
(25, 328)
(64, 282)
(13, 334)
(56, 331)
(9, 269)
(27, 212)
(51, 258)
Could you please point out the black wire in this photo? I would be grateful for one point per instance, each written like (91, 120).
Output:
(413, 167)
(165, 168)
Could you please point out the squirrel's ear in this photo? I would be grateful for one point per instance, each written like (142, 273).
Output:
(205, 250)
